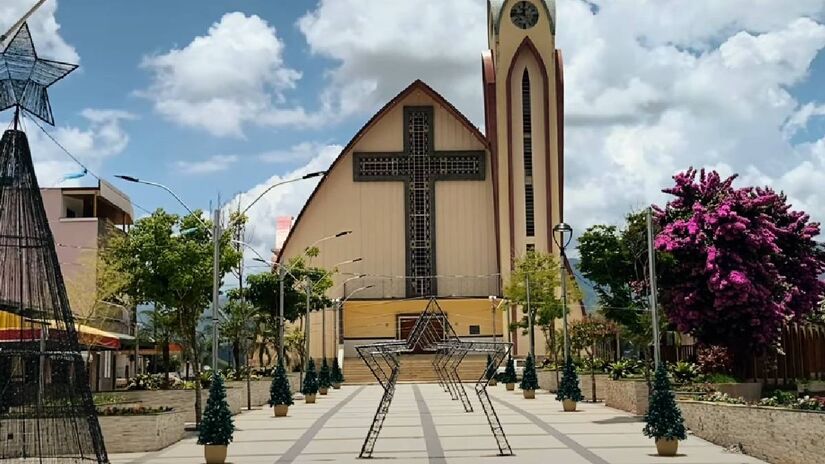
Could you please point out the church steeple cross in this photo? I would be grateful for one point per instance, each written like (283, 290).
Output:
(419, 166)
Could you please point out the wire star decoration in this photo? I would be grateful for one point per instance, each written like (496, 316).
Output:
(24, 77)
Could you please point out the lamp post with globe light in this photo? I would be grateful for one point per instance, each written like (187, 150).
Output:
(562, 235)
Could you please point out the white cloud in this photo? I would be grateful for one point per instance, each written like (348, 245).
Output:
(652, 87)
(217, 163)
(301, 152)
(102, 138)
(221, 82)
(382, 46)
(44, 28)
(286, 200)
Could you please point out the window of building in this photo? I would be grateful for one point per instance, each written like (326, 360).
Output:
(475, 330)
(527, 138)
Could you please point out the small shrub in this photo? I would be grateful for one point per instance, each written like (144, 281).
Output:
(217, 426)
(279, 391)
(310, 386)
(569, 385)
(720, 378)
(717, 397)
(529, 381)
(714, 360)
(622, 368)
(509, 372)
(337, 375)
(663, 418)
(324, 376)
(684, 372)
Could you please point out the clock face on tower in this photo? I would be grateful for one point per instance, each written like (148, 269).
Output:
(524, 15)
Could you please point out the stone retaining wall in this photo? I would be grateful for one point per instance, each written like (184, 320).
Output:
(133, 434)
(627, 395)
(750, 392)
(184, 400)
(779, 436)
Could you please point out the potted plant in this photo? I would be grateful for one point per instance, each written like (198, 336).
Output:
(490, 373)
(217, 426)
(324, 378)
(529, 380)
(337, 375)
(569, 392)
(663, 419)
(280, 395)
(509, 377)
(310, 386)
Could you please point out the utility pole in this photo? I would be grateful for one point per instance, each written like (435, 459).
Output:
(281, 275)
(651, 257)
(216, 282)
(564, 308)
(307, 330)
(530, 318)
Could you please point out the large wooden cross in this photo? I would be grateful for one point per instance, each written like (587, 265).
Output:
(419, 166)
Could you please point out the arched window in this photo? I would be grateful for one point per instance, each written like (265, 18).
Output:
(527, 139)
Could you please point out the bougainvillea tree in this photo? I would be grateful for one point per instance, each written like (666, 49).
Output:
(744, 261)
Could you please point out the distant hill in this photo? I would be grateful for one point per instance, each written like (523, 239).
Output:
(591, 300)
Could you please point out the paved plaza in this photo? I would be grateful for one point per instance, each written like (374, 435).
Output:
(425, 426)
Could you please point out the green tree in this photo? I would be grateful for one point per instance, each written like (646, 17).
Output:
(174, 270)
(239, 326)
(310, 386)
(217, 426)
(545, 291)
(160, 326)
(324, 378)
(569, 385)
(663, 418)
(585, 334)
(279, 391)
(616, 261)
(529, 380)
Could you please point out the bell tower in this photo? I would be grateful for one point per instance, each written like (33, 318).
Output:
(523, 99)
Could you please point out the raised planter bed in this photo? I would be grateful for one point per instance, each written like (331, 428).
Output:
(134, 434)
(627, 395)
(776, 435)
(547, 381)
(811, 386)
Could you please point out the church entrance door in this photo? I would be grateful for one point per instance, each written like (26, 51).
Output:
(406, 324)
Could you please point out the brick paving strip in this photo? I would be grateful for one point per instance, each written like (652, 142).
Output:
(295, 450)
(564, 439)
(435, 451)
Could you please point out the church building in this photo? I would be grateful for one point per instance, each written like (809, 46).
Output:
(438, 207)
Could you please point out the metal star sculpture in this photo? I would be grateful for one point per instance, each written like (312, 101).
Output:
(24, 77)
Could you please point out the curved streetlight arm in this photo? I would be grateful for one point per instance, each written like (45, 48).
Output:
(335, 267)
(271, 187)
(168, 190)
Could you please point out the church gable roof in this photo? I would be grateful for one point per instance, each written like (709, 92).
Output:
(386, 109)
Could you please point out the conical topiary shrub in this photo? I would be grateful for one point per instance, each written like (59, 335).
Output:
(280, 395)
(490, 373)
(310, 386)
(509, 377)
(217, 427)
(337, 375)
(664, 419)
(529, 380)
(324, 378)
(569, 392)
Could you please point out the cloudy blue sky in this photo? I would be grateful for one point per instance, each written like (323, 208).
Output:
(225, 97)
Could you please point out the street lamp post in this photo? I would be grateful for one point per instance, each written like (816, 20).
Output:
(562, 235)
(216, 235)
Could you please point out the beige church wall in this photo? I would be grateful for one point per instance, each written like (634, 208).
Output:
(375, 213)
(465, 238)
(379, 319)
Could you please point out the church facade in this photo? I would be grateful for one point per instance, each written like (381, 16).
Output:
(438, 208)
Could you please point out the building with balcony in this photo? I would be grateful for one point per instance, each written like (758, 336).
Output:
(82, 220)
